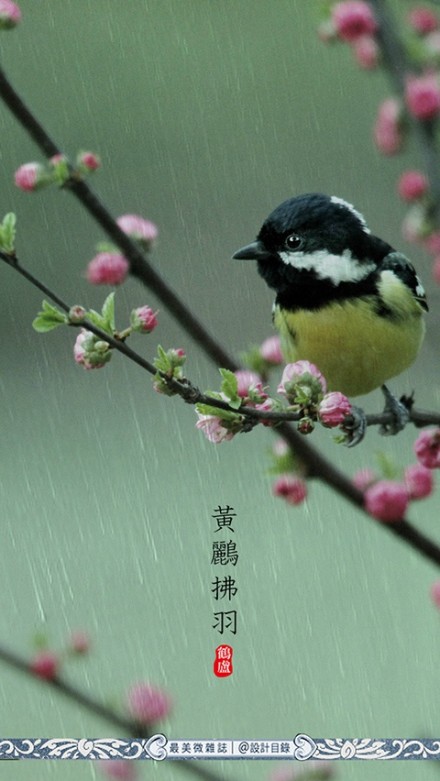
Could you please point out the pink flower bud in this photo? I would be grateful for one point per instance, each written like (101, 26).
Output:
(352, 19)
(147, 704)
(213, 429)
(119, 769)
(364, 478)
(79, 642)
(386, 500)
(304, 373)
(138, 228)
(291, 488)
(427, 448)
(143, 320)
(435, 593)
(30, 176)
(270, 350)
(89, 351)
(280, 448)
(423, 20)
(432, 44)
(422, 95)
(414, 224)
(387, 128)
(10, 14)
(248, 381)
(88, 161)
(366, 52)
(107, 268)
(45, 664)
(432, 243)
(267, 405)
(333, 408)
(326, 31)
(306, 425)
(418, 481)
(412, 185)
(436, 269)
(77, 314)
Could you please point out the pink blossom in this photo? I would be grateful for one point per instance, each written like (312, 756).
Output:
(414, 224)
(333, 408)
(386, 500)
(107, 268)
(366, 52)
(280, 448)
(419, 481)
(143, 319)
(436, 269)
(432, 243)
(57, 159)
(268, 405)
(352, 19)
(248, 381)
(29, 176)
(432, 43)
(302, 372)
(79, 642)
(364, 478)
(147, 704)
(291, 488)
(177, 356)
(427, 448)
(45, 665)
(412, 185)
(120, 769)
(387, 129)
(138, 228)
(270, 350)
(435, 593)
(423, 20)
(89, 161)
(89, 351)
(326, 31)
(80, 346)
(10, 14)
(213, 428)
(422, 95)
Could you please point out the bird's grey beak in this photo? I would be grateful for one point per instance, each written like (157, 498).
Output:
(254, 251)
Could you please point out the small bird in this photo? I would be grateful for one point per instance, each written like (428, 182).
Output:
(345, 300)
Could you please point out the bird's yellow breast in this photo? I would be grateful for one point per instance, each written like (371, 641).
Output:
(356, 349)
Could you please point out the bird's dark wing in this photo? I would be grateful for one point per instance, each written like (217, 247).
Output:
(404, 269)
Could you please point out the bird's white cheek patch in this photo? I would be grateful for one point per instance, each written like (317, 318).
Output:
(336, 268)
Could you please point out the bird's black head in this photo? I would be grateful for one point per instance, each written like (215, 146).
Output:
(314, 247)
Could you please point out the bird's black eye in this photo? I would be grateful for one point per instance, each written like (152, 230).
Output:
(293, 241)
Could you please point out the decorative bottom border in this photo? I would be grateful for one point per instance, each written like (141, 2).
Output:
(302, 747)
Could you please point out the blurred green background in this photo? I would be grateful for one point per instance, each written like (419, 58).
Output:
(206, 113)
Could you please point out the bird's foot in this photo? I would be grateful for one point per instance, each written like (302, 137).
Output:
(400, 411)
(354, 431)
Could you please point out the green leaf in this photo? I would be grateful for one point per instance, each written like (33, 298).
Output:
(49, 318)
(224, 414)
(390, 471)
(40, 641)
(7, 232)
(105, 246)
(108, 313)
(96, 319)
(229, 385)
(253, 360)
(162, 361)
